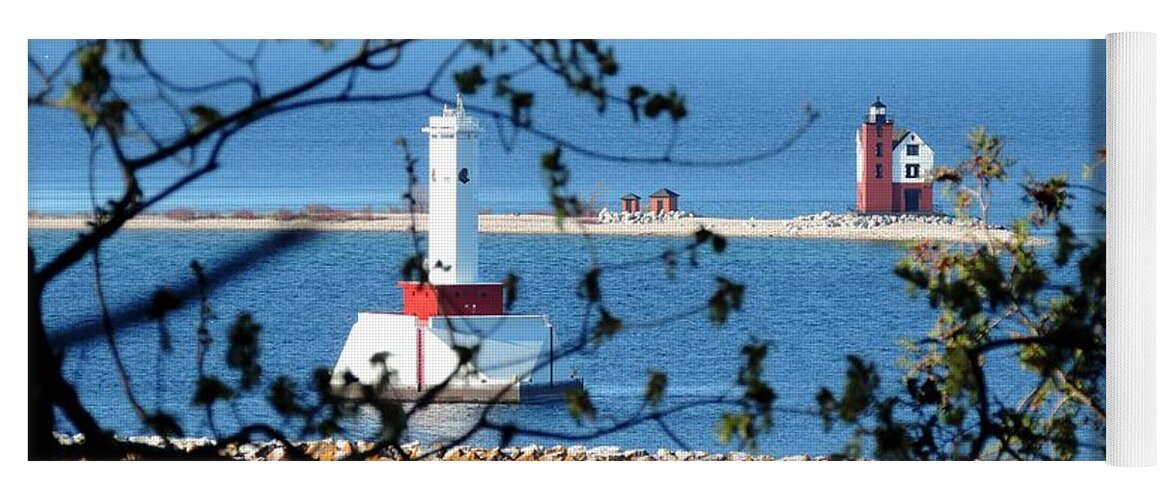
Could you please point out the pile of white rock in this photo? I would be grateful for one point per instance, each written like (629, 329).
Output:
(853, 220)
(605, 216)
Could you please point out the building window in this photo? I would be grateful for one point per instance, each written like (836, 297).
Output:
(878, 171)
(912, 150)
(912, 170)
(878, 150)
(880, 130)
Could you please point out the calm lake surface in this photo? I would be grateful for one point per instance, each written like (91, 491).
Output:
(1045, 97)
(814, 301)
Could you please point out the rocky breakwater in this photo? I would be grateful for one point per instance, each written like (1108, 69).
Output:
(330, 450)
(851, 220)
(825, 225)
(605, 216)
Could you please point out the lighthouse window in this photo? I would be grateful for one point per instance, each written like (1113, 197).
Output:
(912, 150)
(878, 149)
(913, 171)
(878, 171)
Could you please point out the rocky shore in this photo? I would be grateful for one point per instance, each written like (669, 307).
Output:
(331, 450)
(605, 216)
(824, 225)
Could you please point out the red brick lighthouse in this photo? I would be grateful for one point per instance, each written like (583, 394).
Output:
(894, 167)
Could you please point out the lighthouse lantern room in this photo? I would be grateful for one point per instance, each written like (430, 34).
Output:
(451, 310)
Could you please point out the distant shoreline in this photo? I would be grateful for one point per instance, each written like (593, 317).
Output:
(898, 227)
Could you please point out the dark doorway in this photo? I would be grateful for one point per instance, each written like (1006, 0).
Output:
(911, 200)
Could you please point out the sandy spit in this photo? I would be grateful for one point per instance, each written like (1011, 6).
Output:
(800, 227)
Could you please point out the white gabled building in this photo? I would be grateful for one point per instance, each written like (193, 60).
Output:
(913, 160)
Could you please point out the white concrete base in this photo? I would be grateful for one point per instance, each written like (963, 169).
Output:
(509, 351)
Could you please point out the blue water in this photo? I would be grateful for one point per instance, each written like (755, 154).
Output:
(814, 301)
(1047, 98)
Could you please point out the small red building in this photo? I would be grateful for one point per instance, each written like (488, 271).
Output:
(664, 200)
(630, 203)
(894, 167)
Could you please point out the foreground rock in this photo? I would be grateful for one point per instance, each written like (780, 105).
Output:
(330, 450)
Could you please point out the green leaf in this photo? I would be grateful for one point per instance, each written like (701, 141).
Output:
(521, 103)
(740, 427)
(719, 243)
(379, 358)
(205, 116)
(634, 95)
(470, 80)
(861, 384)
(113, 115)
(162, 302)
(507, 434)
(557, 174)
(244, 349)
(590, 287)
(656, 387)
(77, 98)
(728, 296)
(670, 103)
(282, 395)
(670, 262)
(208, 390)
(702, 236)
(164, 425)
(579, 405)
(1065, 440)
(510, 290)
(465, 355)
(607, 326)
(827, 406)
(487, 47)
(607, 64)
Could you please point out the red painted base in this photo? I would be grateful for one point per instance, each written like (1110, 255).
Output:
(425, 300)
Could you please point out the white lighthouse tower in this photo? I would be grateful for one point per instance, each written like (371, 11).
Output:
(453, 219)
(452, 310)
